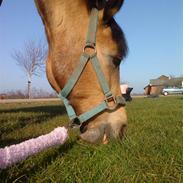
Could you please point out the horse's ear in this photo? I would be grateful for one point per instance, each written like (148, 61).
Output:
(111, 7)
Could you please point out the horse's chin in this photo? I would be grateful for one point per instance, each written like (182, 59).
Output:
(103, 133)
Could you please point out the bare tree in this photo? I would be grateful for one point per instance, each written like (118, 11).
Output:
(32, 60)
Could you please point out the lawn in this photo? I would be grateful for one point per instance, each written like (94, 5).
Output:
(151, 152)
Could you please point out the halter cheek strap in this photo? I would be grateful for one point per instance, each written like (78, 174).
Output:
(84, 59)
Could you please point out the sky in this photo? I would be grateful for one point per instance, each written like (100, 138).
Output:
(153, 30)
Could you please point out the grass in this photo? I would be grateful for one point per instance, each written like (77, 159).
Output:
(151, 152)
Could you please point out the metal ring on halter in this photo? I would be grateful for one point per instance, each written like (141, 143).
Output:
(91, 46)
(110, 99)
(75, 123)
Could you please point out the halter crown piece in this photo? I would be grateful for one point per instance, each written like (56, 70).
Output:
(84, 59)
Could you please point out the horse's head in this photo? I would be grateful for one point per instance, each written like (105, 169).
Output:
(66, 25)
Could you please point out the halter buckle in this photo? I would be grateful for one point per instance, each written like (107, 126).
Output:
(110, 99)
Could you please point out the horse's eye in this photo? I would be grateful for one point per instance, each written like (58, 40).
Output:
(116, 60)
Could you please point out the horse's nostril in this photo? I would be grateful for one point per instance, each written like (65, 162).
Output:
(83, 128)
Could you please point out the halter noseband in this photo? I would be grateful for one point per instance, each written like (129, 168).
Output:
(85, 57)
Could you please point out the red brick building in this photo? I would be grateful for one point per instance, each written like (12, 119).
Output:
(156, 86)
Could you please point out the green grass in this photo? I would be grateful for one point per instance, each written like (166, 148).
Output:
(151, 152)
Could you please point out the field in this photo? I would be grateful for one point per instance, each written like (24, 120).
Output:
(151, 152)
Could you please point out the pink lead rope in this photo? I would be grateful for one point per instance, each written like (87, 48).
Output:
(15, 153)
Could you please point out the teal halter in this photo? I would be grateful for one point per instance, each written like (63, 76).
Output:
(84, 59)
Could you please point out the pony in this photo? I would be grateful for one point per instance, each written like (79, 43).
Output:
(66, 24)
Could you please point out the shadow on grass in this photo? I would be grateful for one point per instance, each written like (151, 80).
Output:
(45, 113)
(11, 141)
(25, 171)
(52, 110)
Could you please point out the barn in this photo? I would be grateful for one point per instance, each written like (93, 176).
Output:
(156, 86)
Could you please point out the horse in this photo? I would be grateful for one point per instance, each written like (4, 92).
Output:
(66, 25)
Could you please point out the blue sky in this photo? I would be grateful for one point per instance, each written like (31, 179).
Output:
(153, 29)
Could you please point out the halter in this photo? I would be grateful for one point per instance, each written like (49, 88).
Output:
(84, 59)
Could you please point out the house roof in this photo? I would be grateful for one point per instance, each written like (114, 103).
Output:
(163, 77)
(157, 82)
(170, 82)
